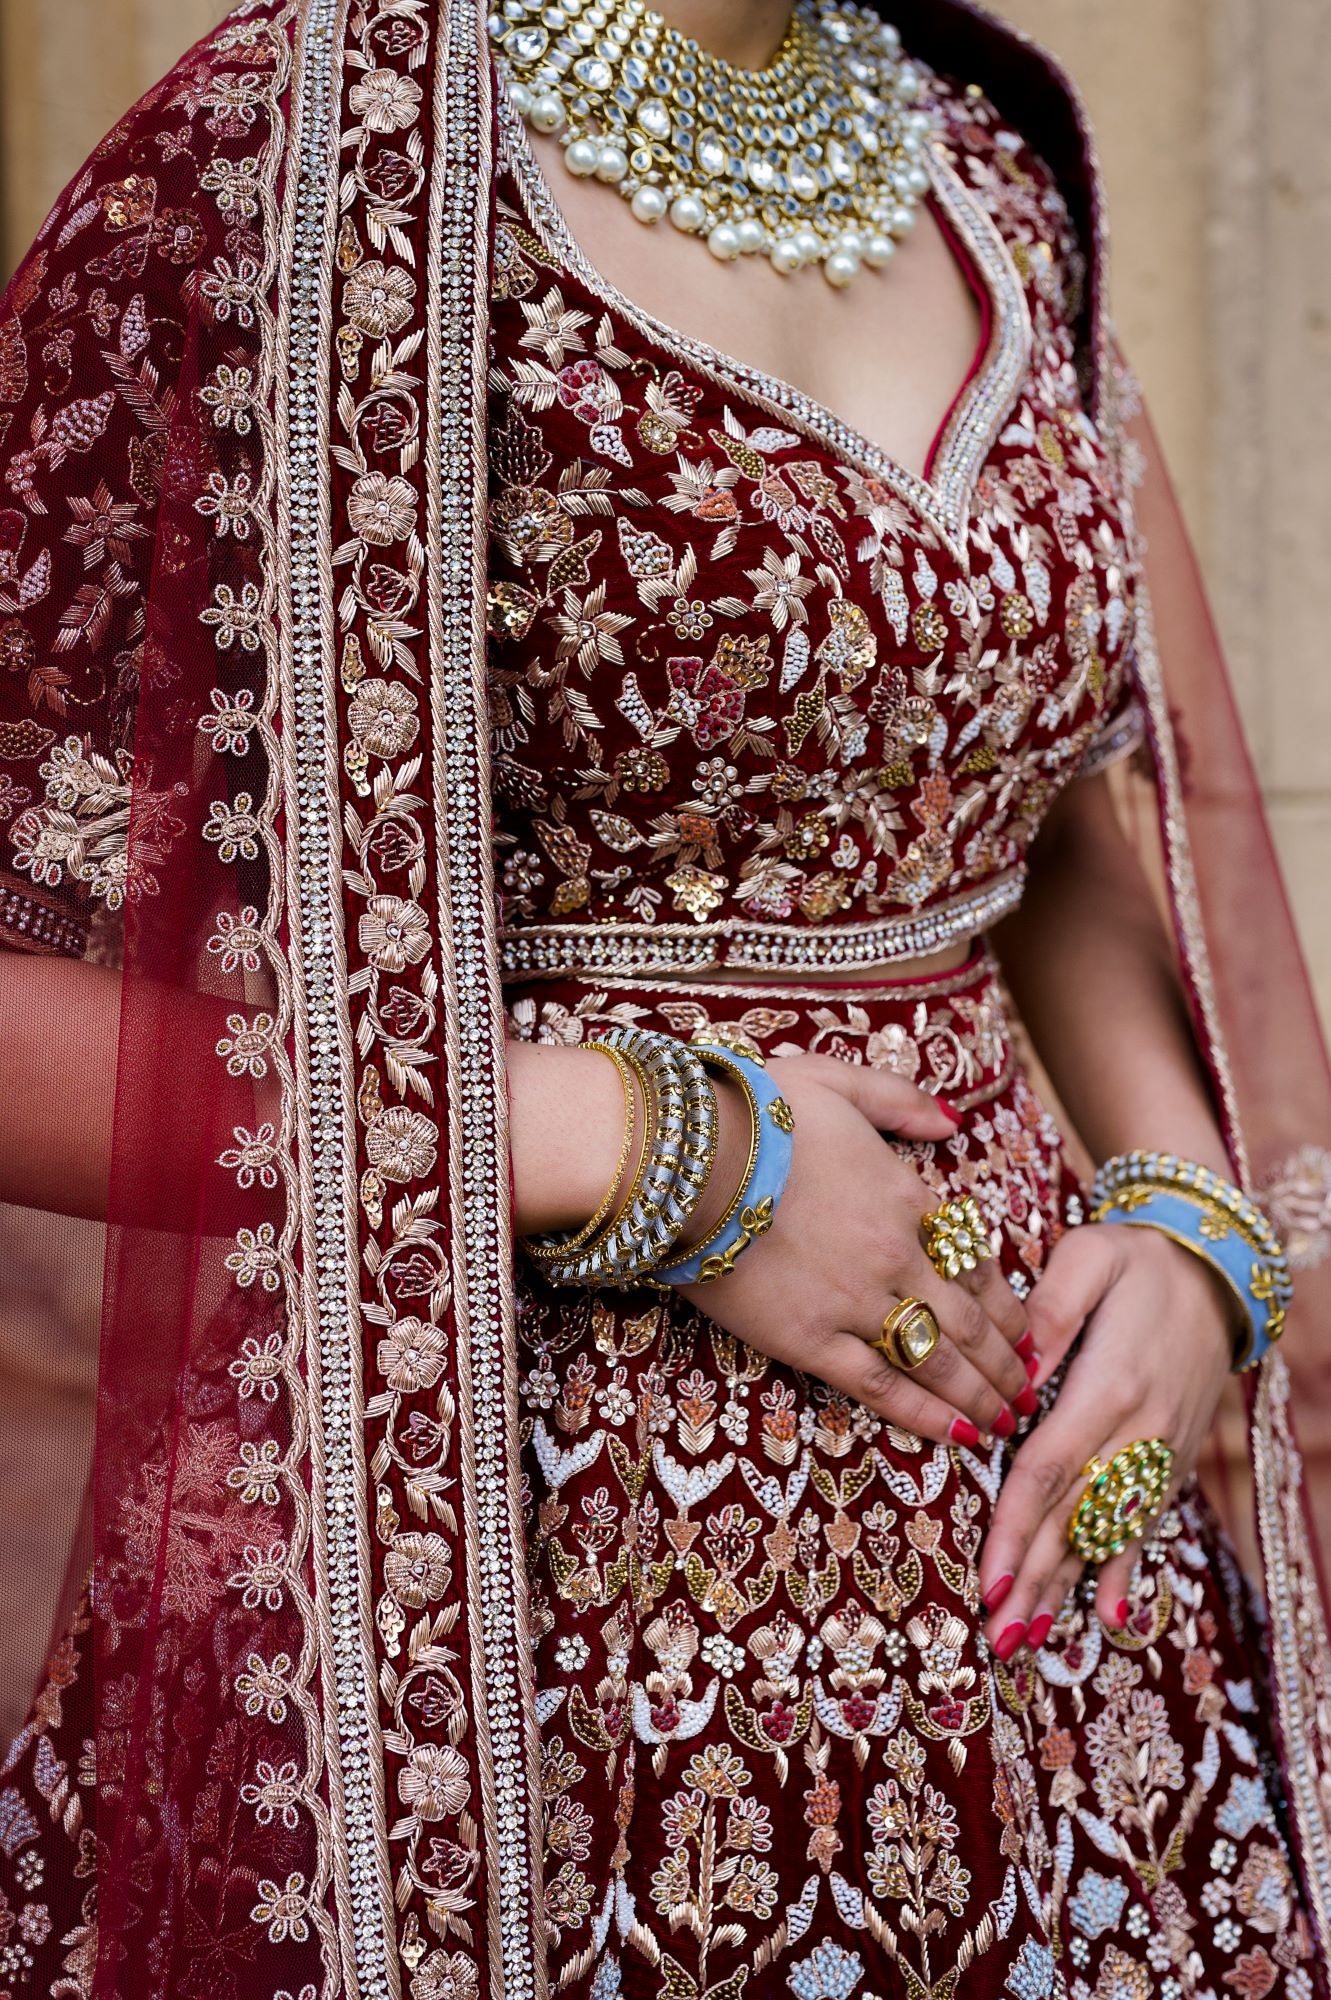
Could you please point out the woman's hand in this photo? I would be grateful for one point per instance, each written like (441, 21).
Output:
(1157, 1352)
(846, 1247)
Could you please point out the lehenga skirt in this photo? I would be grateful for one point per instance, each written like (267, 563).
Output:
(778, 1755)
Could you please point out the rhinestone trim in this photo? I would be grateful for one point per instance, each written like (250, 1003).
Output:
(483, 1249)
(31, 922)
(664, 948)
(328, 1163)
(943, 500)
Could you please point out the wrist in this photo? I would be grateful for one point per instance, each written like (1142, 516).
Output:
(566, 1132)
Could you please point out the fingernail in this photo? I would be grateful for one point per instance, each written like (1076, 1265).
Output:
(1121, 1612)
(1026, 1345)
(1004, 1424)
(1040, 1630)
(963, 1431)
(1009, 1640)
(1032, 1366)
(948, 1110)
(998, 1590)
(1027, 1403)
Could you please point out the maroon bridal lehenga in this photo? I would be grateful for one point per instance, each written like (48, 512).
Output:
(407, 644)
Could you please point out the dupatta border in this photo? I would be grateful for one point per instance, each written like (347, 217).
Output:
(484, 1287)
(328, 1299)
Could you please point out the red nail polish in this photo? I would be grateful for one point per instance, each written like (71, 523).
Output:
(948, 1110)
(963, 1431)
(1004, 1424)
(1027, 1403)
(998, 1590)
(1121, 1612)
(1032, 1366)
(1040, 1630)
(1009, 1640)
(1026, 1345)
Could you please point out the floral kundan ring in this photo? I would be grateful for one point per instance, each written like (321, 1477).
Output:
(1120, 1499)
(956, 1238)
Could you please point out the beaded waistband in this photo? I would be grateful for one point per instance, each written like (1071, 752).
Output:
(528, 951)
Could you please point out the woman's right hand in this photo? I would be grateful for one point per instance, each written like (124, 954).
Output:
(845, 1246)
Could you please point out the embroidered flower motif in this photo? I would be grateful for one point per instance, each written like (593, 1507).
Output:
(394, 933)
(265, 1686)
(412, 1356)
(829, 1973)
(446, 1975)
(382, 716)
(253, 1157)
(256, 1478)
(435, 1782)
(232, 720)
(263, 1576)
(386, 101)
(238, 940)
(703, 700)
(274, 1794)
(247, 1047)
(228, 504)
(382, 510)
(284, 1910)
(402, 1144)
(417, 1569)
(234, 829)
(255, 1258)
(232, 289)
(379, 299)
(258, 1367)
(235, 621)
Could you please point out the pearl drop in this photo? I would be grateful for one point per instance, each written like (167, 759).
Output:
(520, 98)
(918, 180)
(840, 269)
(581, 157)
(687, 213)
(649, 203)
(751, 233)
(852, 242)
(903, 220)
(879, 250)
(547, 114)
(785, 256)
(613, 164)
(723, 242)
(809, 245)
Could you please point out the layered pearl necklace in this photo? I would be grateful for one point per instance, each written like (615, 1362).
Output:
(816, 160)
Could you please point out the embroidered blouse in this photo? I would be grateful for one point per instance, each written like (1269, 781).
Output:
(759, 694)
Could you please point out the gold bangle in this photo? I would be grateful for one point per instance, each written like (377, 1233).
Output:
(603, 1217)
(734, 1071)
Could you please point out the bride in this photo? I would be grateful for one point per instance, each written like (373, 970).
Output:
(589, 609)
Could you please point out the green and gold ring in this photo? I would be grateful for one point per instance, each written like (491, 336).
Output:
(1120, 1499)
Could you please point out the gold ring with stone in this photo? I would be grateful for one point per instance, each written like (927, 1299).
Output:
(955, 1237)
(1120, 1499)
(910, 1334)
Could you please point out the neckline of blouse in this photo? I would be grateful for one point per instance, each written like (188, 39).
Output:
(977, 415)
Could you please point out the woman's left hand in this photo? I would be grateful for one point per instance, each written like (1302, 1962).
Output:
(1154, 1361)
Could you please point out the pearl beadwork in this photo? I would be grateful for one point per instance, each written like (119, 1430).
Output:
(818, 159)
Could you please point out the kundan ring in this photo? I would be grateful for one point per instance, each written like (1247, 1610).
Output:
(910, 1334)
(1120, 1499)
(955, 1237)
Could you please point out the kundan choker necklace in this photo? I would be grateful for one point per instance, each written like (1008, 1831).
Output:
(817, 159)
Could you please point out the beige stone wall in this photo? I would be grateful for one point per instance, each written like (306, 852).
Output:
(1213, 128)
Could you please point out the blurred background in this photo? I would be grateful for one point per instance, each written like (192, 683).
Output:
(1213, 124)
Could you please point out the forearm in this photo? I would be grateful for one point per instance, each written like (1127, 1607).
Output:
(1092, 970)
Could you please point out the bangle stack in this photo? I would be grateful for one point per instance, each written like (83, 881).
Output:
(635, 1236)
(1216, 1221)
(752, 1208)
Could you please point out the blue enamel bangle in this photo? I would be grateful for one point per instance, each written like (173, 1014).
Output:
(1214, 1220)
(753, 1209)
